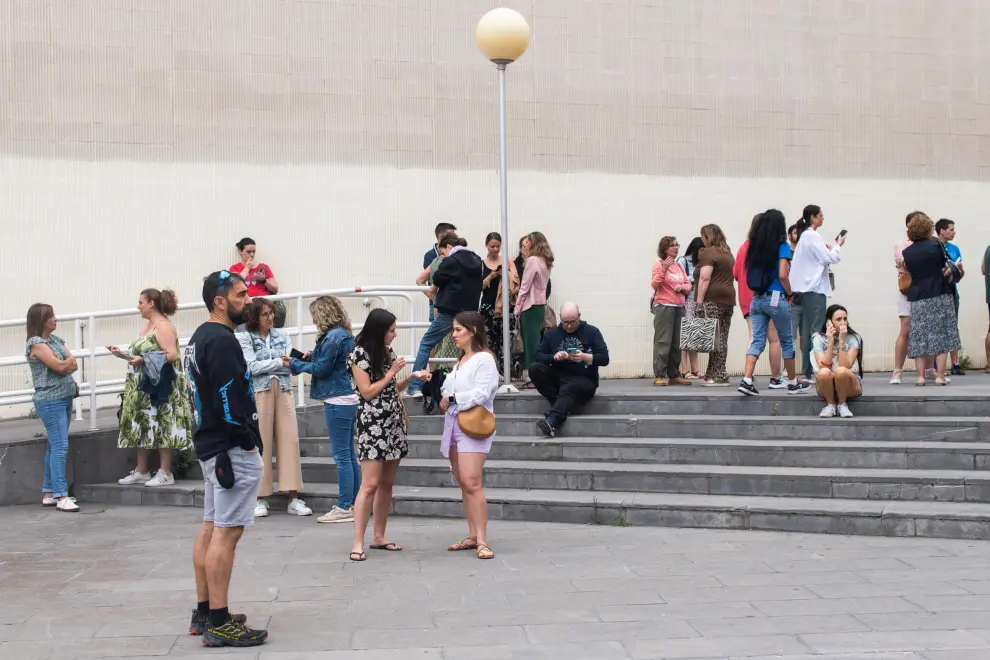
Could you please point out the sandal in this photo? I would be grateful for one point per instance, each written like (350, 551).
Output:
(358, 556)
(387, 547)
(484, 552)
(692, 375)
(463, 545)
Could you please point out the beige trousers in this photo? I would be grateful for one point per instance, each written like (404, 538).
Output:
(280, 437)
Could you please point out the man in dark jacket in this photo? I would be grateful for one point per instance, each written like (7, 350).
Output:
(459, 282)
(566, 367)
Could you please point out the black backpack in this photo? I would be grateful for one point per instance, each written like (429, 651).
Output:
(431, 391)
(760, 281)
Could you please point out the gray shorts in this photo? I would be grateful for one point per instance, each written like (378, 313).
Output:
(233, 507)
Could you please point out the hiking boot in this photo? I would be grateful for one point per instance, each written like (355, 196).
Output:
(200, 622)
(660, 382)
(233, 634)
(679, 381)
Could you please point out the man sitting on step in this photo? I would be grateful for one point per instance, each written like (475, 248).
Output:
(566, 367)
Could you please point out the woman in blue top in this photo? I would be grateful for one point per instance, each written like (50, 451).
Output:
(52, 366)
(331, 384)
(768, 266)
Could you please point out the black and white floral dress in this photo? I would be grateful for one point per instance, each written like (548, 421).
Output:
(381, 422)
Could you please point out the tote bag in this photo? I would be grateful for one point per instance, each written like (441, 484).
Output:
(699, 334)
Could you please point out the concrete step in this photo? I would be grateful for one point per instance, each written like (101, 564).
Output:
(743, 427)
(923, 485)
(833, 516)
(775, 453)
(696, 400)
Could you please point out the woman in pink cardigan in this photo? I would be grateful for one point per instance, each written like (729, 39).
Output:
(670, 287)
(532, 299)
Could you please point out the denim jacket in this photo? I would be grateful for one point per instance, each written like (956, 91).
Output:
(265, 360)
(328, 365)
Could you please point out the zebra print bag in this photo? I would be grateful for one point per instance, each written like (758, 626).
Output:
(699, 334)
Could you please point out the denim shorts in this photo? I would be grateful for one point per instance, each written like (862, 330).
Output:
(232, 507)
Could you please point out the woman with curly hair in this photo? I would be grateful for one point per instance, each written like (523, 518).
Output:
(532, 299)
(934, 329)
(331, 384)
(670, 288)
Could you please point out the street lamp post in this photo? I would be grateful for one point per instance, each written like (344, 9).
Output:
(503, 36)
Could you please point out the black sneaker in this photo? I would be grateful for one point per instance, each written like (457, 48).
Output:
(547, 427)
(956, 371)
(749, 389)
(200, 622)
(234, 634)
(800, 387)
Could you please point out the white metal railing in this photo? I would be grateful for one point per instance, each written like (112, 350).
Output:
(88, 353)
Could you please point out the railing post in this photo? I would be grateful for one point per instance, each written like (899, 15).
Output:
(301, 380)
(413, 346)
(91, 373)
(77, 340)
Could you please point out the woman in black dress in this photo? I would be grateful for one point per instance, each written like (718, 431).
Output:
(381, 425)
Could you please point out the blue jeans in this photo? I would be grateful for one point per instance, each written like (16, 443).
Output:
(440, 328)
(760, 314)
(56, 416)
(340, 425)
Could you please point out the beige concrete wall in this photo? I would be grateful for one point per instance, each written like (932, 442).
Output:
(140, 138)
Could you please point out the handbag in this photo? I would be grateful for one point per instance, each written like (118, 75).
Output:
(699, 334)
(904, 283)
(549, 318)
(477, 423)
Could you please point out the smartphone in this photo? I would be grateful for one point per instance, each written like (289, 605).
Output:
(841, 234)
(296, 354)
(573, 351)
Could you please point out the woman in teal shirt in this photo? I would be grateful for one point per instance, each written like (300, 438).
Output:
(52, 366)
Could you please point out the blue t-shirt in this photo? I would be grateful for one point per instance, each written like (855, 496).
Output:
(955, 254)
(783, 253)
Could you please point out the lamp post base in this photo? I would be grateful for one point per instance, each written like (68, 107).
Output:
(508, 389)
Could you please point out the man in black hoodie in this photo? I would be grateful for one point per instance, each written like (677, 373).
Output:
(459, 282)
(566, 367)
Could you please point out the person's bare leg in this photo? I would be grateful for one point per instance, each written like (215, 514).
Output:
(371, 472)
(220, 563)
(383, 501)
(954, 357)
(921, 364)
(901, 345)
(774, 350)
(164, 460)
(199, 561)
(142, 461)
(455, 466)
(474, 495)
(940, 366)
(750, 366)
(790, 366)
(847, 386)
(693, 355)
(825, 385)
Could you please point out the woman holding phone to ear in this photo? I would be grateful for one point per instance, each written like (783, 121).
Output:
(836, 349)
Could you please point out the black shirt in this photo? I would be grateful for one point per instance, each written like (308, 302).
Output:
(223, 393)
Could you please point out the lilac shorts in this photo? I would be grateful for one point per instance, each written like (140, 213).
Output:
(453, 435)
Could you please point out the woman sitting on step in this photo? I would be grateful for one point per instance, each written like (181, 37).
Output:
(836, 348)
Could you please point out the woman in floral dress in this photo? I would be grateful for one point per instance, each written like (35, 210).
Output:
(381, 426)
(145, 426)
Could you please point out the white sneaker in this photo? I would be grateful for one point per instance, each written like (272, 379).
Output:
(135, 477)
(412, 395)
(298, 508)
(844, 411)
(827, 411)
(161, 478)
(712, 383)
(337, 515)
(68, 505)
(261, 509)
(895, 379)
(48, 501)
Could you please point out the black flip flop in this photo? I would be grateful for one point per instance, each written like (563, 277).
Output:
(358, 556)
(387, 547)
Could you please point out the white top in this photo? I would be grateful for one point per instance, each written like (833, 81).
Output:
(346, 400)
(473, 383)
(809, 266)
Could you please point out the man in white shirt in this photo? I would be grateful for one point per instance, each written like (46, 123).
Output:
(810, 278)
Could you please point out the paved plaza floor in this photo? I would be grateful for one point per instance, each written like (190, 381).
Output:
(117, 582)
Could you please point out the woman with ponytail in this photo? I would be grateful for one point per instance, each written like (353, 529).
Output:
(155, 413)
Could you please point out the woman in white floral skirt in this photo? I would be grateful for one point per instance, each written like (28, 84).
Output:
(381, 426)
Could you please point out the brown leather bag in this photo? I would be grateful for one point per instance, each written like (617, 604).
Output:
(477, 423)
(513, 290)
(904, 283)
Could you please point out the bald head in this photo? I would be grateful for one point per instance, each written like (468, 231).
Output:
(570, 315)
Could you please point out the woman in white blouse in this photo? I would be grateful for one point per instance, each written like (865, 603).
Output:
(473, 382)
